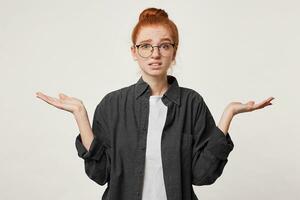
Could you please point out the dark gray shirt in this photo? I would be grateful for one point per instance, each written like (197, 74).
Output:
(194, 150)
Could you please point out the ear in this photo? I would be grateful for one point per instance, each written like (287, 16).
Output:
(174, 56)
(173, 62)
(174, 59)
(133, 53)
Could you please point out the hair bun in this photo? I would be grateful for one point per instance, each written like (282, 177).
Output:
(152, 12)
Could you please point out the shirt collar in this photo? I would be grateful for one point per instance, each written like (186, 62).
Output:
(173, 92)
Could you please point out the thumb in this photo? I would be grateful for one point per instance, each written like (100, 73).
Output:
(62, 96)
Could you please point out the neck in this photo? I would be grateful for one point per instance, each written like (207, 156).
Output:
(158, 84)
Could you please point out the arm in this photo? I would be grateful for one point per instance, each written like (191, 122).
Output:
(237, 107)
(93, 145)
(225, 120)
(211, 147)
(84, 126)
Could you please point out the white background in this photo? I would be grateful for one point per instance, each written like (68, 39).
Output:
(232, 50)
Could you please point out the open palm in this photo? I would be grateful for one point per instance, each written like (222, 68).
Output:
(70, 104)
(238, 107)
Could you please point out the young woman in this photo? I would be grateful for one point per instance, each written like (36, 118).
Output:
(154, 139)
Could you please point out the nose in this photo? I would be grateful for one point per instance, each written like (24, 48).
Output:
(155, 52)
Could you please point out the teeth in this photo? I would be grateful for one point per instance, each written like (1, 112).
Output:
(155, 64)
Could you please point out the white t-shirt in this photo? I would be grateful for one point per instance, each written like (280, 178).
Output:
(154, 185)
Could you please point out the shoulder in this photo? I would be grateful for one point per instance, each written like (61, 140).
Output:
(191, 95)
(119, 93)
(115, 95)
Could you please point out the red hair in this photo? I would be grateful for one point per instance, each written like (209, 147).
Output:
(155, 17)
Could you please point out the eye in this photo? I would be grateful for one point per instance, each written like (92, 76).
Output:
(145, 46)
(165, 46)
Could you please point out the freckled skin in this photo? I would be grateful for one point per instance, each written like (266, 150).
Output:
(155, 33)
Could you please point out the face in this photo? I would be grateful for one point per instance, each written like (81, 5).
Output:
(154, 35)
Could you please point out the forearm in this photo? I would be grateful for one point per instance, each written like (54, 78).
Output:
(97, 159)
(225, 120)
(85, 129)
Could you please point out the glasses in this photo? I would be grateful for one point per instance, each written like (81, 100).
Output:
(146, 50)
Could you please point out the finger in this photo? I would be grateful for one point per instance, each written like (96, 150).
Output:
(266, 101)
(42, 96)
(258, 106)
(50, 100)
(263, 104)
(39, 94)
(62, 96)
(56, 102)
(271, 98)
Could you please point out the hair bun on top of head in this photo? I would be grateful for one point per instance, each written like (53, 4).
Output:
(152, 12)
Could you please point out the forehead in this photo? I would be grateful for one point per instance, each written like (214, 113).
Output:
(154, 34)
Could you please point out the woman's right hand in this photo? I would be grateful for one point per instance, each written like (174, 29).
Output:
(70, 104)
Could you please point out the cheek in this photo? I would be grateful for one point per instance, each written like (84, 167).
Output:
(168, 61)
(142, 63)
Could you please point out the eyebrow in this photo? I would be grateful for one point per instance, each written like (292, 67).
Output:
(163, 39)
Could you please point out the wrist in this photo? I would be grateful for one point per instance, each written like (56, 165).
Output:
(80, 112)
(229, 111)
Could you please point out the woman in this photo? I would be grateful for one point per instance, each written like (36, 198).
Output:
(153, 139)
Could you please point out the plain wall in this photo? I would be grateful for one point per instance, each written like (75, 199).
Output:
(229, 51)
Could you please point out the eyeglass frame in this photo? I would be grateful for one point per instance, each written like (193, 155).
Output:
(158, 46)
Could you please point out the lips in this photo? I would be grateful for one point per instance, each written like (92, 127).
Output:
(155, 64)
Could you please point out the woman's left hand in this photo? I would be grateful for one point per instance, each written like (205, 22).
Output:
(238, 107)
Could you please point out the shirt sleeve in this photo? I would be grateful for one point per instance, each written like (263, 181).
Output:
(211, 146)
(97, 159)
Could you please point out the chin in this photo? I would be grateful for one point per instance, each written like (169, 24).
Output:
(155, 72)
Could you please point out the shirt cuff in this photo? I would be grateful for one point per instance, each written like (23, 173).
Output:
(95, 151)
(220, 145)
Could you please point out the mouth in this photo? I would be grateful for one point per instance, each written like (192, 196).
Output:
(155, 64)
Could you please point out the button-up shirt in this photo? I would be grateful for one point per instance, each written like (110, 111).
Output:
(194, 150)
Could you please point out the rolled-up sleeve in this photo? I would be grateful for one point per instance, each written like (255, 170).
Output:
(211, 147)
(97, 159)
